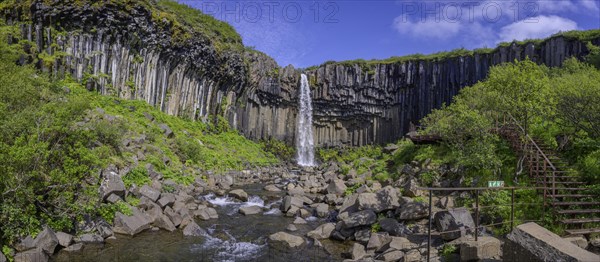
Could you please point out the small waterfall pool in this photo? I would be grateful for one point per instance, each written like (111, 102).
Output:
(231, 237)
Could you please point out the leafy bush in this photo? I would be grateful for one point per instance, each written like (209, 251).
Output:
(138, 176)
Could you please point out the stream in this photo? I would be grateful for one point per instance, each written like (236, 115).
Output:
(231, 237)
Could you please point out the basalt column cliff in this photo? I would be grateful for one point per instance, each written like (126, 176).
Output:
(139, 54)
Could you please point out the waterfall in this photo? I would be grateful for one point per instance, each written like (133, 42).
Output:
(304, 134)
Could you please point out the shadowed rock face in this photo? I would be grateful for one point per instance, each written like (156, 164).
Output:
(130, 57)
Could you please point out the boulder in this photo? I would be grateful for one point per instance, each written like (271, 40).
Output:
(350, 204)
(46, 240)
(322, 210)
(2, 257)
(378, 240)
(104, 229)
(299, 221)
(362, 235)
(150, 193)
(458, 220)
(74, 248)
(90, 239)
(393, 227)
(166, 130)
(291, 228)
(175, 217)
(532, 240)
(25, 244)
(337, 187)
(165, 223)
(64, 239)
(360, 218)
(485, 248)
(412, 256)
(411, 188)
(193, 230)
(166, 199)
(32, 255)
(357, 251)
(412, 211)
(131, 225)
(111, 184)
(250, 210)
(289, 201)
(322, 232)
(207, 213)
(402, 244)
(446, 202)
(287, 239)
(239, 194)
(578, 241)
(272, 188)
(112, 198)
(392, 255)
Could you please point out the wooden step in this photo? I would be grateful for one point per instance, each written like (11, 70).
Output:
(578, 211)
(576, 203)
(580, 220)
(565, 182)
(584, 231)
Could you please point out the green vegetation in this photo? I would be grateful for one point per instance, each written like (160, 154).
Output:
(447, 250)
(362, 159)
(369, 65)
(55, 136)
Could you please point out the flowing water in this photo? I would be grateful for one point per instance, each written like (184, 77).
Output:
(231, 237)
(304, 134)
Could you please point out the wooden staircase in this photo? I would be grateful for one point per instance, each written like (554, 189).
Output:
(564, 193)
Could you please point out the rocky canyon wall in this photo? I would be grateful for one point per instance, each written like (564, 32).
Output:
(127, 55)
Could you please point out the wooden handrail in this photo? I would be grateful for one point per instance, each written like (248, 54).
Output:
(532, 142)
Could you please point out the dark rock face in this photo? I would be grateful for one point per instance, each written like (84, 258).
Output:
(353, 105)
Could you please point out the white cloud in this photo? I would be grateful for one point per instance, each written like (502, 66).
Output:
(535, 27)
(590, 5)
(555, 6)
(429, 28)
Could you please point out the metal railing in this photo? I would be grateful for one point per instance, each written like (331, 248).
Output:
(477, 208)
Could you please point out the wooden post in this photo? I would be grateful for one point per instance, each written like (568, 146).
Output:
(476, 214)
(429, 229)
(512, 208)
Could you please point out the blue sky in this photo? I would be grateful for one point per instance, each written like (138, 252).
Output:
(305, 33)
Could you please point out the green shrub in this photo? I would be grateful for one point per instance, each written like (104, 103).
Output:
(138, 176)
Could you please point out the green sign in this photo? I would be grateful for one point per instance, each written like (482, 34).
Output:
(495, 183)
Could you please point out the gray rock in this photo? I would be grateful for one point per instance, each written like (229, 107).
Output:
(32, 255)
(46, 240)
(412, 256)
(578, 241)
(272, 188)
(362, 235)
(357, 251)
(412, 211)
(113, 199)
(90, 239)
(446, 202)
(175, 217)
(163, 222)
(322, 210)
(291, 228)
(239, 194)
(458, 220)
(410, 188)
(2, 257)
(392, 255)
(207, 213)
(111, 184)
(104, 229)
(360, 218)
(166, 130)
(166, 199)
(287, 239)
(250, 210)
(289, 201)
(485, 248)
(378, 240)
(131, 225)
(64, 239)
(25, 244)
(402, 244)
(322, 232)
(74, 248)
(193, 230)
(530, 239)
(337, 187)
(150, 193)
(299, 221)
(393, 227)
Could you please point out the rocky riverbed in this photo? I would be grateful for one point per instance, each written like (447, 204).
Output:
(271, 214)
